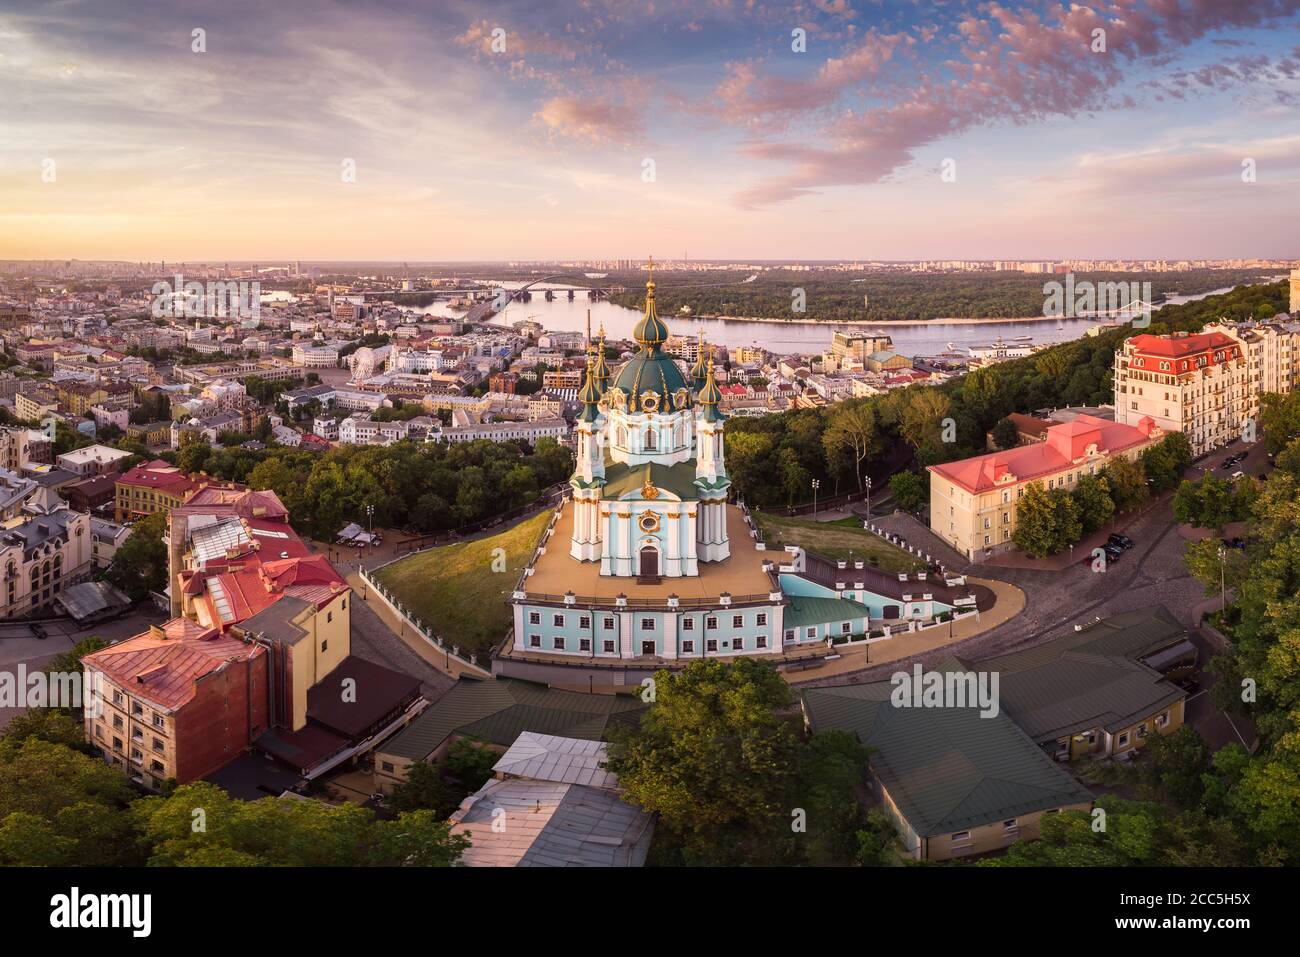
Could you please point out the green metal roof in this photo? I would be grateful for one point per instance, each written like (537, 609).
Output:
(1091, 678)
(806, 610)
(621, 478)
(500, 709)
(947, 769)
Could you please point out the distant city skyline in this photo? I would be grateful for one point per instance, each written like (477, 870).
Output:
(516, 131)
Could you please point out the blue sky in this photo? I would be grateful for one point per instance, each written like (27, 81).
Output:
(465, 150)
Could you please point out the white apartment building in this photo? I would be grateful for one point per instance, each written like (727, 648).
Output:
(530, 432)
(1205, 385)
(315, 356)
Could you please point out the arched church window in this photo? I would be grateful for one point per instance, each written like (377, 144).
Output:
(650, 440)
(680, 439)
(622, 437)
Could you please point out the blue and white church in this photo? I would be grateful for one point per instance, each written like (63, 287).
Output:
(646, 562)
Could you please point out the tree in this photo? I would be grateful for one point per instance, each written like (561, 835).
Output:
(795, 479)
(59, 807)
(286, 833)
(909, 490)
(1093, 501)
(852, 429)
(1165, 462)
(923, 418)
(712, 759)
(1035, 533)
(1127, 483)
(1066, 524)
(139, 565)
(1207, 559)
(1175, 765)
(42, 724)
(1005, 434)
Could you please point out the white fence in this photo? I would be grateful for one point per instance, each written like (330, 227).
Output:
(420, 627)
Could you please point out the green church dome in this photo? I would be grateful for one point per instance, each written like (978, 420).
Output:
(652, 371)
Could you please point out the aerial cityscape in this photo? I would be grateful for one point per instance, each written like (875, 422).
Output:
(834, 435)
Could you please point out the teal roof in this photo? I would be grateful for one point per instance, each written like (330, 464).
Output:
(805, 610)
(499, 710)
(946, 769)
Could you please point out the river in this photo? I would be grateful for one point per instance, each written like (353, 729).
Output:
(910, 338)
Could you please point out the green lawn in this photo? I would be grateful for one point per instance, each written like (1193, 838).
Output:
(840, 541)
(454, 589)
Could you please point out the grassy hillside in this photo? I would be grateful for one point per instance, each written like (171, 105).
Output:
(454, 587)
(840, 541)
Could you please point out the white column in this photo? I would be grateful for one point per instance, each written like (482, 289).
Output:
(670, 633)
(626, 635)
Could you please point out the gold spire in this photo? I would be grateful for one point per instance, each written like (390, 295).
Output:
(650, 332)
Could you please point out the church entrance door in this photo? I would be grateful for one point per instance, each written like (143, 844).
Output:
(649, 562)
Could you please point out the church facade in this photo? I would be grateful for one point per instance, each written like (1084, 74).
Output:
(646, 559)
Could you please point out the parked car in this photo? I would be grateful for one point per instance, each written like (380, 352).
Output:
(1113, 552)
(1237, 474)
(1236, 542)
(1123, 541)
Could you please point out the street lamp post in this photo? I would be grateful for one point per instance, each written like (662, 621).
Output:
(868, 496)
(816, 484)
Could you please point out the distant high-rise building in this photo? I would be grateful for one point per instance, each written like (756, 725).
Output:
(1295, 292)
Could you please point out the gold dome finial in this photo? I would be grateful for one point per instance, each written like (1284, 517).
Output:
(650, 282)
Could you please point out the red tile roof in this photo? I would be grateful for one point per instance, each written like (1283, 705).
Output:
(163, 670)
(158, 474)
(1187, 351)
(1064, 444)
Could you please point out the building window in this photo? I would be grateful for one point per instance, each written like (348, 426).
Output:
(647, 624)
(846, 628)
(329, 617)
(609, 624)
(117, 721)
(711, 622)
(1162, 719)
(738, 644)
(812, 631)
(584, 621)
(761, 618)
(609, 647)
(961, 835)
(688, 647)
(737, 621)
(534, 618)
(558, 621)
(157, 744)
(584, 644)
(1123, 739)
(789, 634)
(1142, 731)
(762, 641)
(534, 641)
(324, 645)
(711, 644)
(688, 624)
(1010, 825)
(557, 643)
(386, 766)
